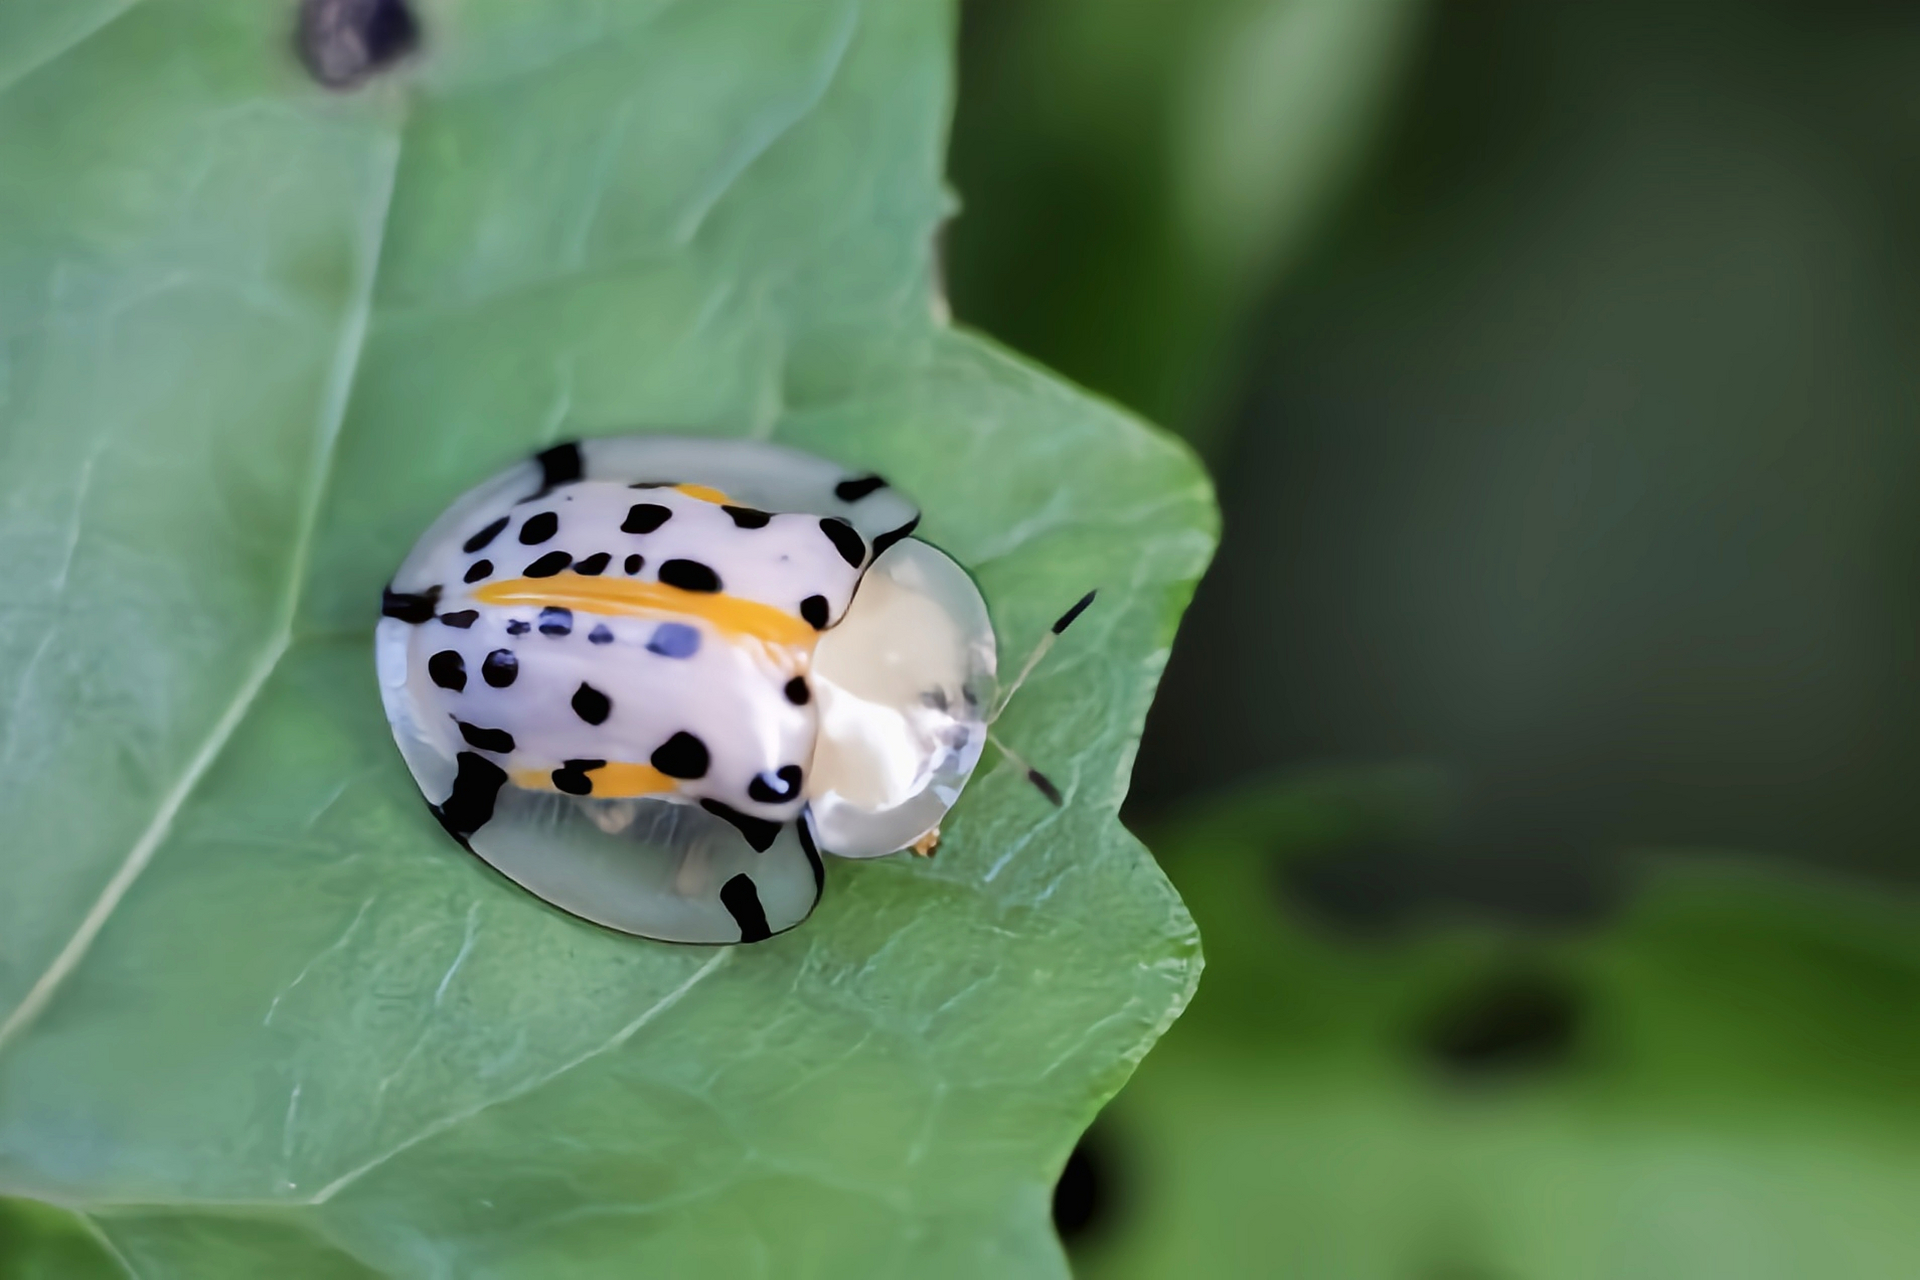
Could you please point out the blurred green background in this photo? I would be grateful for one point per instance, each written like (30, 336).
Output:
(1537, 758)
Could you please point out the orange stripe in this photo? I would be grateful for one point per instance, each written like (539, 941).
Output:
(705, 493)
(615, 597)
(615, 780)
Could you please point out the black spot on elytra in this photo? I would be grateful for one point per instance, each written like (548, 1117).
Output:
(562, 464)
(343, 42)
(600, 634)
(682, 756)
(555, 621)
(634, 563)
(409, 606)
(462, 619)
(572, 778)
(539, 528)
(845, 539)
(500, 667)
(777, 787)
(802, 829)
(591, 705)
(548, 565)
(742, 902)
(747, 517)
(857, 488)
(1512, 1022)
(1088, 1193)
(476, 785)
(887, 539)
(689, 575)
(645, 517)
(594, 565)
(479, 541)
(478, 570)
(797, 692)
(814, 610)
(498, 741)
(448, 670)
(760, 834)
(518, 627)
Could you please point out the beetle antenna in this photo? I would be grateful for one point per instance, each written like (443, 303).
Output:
(1041, 783)
(1064, 621)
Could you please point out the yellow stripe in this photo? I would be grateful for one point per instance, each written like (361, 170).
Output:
(616, 597)
(615, 780)
(704, 493)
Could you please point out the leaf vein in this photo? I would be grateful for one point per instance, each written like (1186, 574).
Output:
(613, 1042)
(332, 413)
(10, 79)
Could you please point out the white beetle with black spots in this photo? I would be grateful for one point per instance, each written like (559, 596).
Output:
(651, 679)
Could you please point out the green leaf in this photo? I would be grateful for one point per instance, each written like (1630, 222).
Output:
(40, 1242)
(259, 1014)
(1719, 1084)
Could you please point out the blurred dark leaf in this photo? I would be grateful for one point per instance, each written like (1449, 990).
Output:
(1580, 459)
(1136, 176)
(1719, 1085)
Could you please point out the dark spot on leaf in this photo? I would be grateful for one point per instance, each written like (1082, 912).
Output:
(343, 42)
